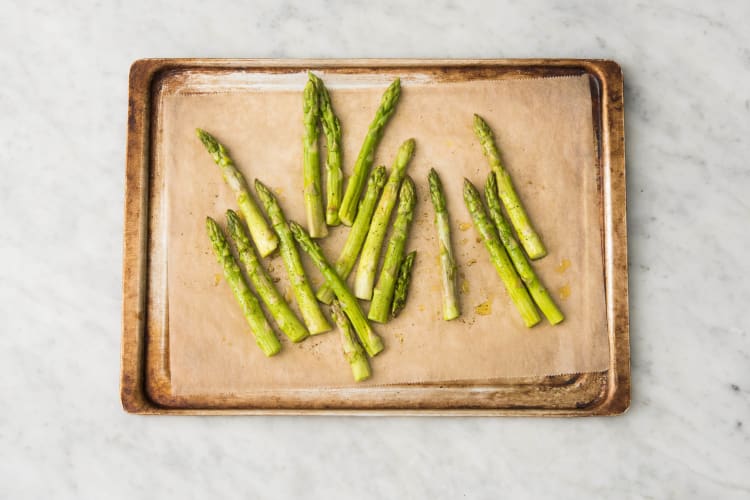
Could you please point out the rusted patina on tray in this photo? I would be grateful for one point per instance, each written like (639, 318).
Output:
(145, 380)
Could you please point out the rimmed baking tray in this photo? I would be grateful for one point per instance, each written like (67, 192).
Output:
(146, 386)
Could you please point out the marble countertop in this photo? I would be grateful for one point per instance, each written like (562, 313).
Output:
(63, 101)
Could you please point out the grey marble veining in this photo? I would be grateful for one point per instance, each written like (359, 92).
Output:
(63, 86)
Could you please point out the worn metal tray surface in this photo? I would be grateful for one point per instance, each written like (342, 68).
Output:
(146, 383)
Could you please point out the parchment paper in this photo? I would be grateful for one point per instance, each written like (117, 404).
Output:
(544, 130)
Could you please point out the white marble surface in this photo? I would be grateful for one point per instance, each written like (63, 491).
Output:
(63, 83)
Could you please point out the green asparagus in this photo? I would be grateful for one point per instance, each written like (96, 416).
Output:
(314, 318)
(368, 261)
(353, 352)
(447, 261)
(369, 339)
(530, 240)
(262, 235)
(334, 174)
(382, 297)
(313, 191)
(499, 256)
(537, 290)
(349, 204)
(402, 283)
(261, 330)
(277, 306)
(358, 232)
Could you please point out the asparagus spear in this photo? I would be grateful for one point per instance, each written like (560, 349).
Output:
(262, 235)
(277, 306)
(357, 234)
(516, 213)
(334, 174)
(520, 262)
(311, 162)
(353, 352)
(499, 256)
(447, 262)
(382, 297)
(314, 319)
(259, 326)
(402, 283)
(369, 339)
(368, 262)
(367, 154)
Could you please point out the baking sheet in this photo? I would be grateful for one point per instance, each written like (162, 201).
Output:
(545, 132)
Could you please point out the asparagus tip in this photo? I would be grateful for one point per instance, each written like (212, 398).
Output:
(436, 190)
(209, 141)
(203, 135)
(313, 78)
(233, 221)
(482, 128)
(261, 188)
(296, 229)
(392, 93)
(408, 190)
(310, 104)
(470, 191)
(379, 176)
(490, 189)
(409, 146)
(213, 228)
(434, 179)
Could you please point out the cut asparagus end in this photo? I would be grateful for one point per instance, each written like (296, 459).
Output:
(360, 367)
(451, 312)
(268, 345)
(534, 246)
(363, 285)
(528, 310)
(378, 307)
(548, 307)
(373, 344)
